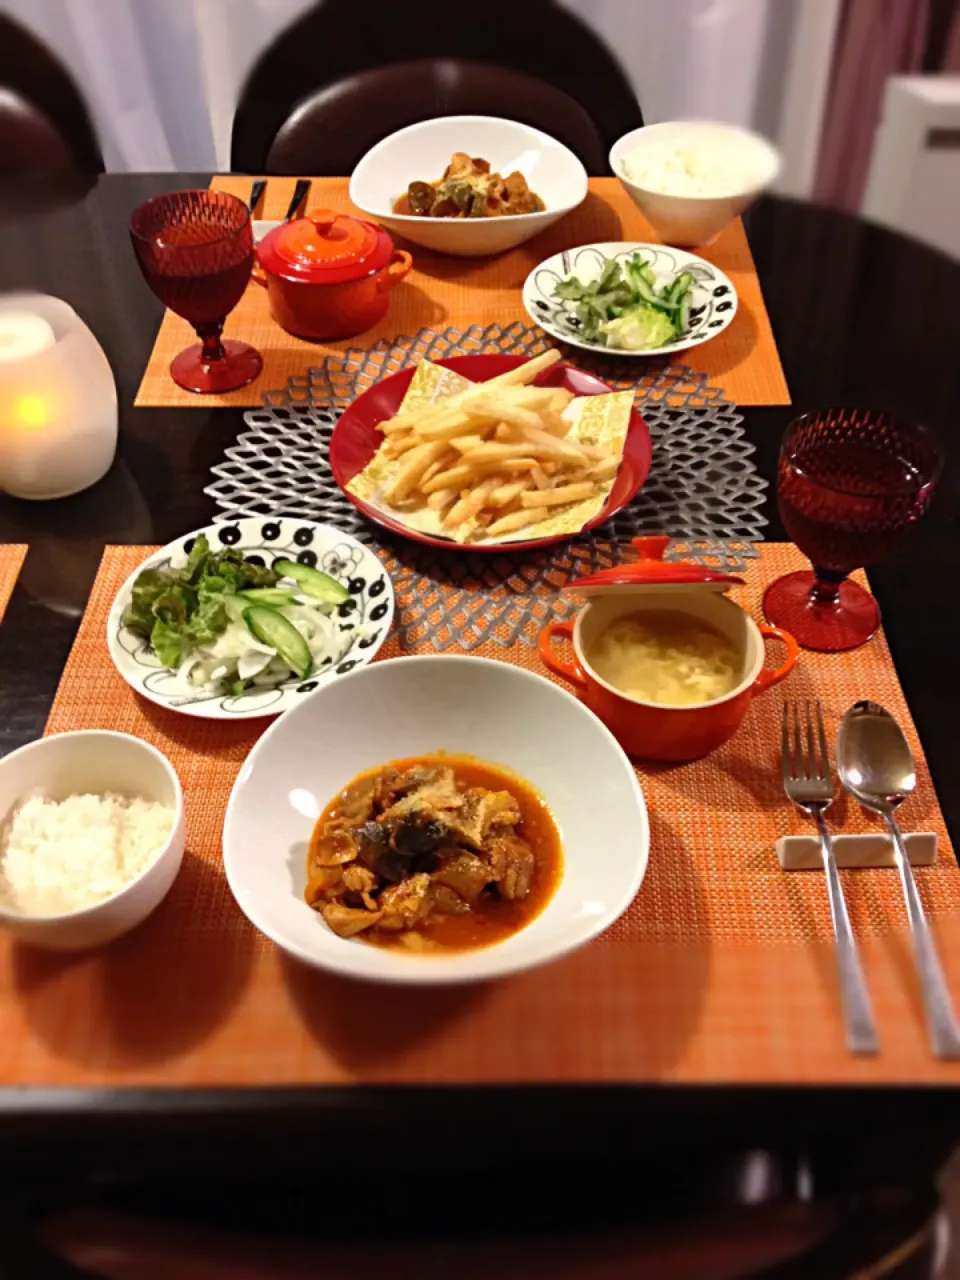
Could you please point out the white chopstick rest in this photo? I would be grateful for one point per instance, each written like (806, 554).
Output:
(802, 853)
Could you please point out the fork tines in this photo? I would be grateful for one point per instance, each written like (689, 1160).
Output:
(797, 763)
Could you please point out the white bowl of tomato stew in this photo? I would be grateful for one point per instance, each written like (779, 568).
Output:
(422, 153)
(435, 820)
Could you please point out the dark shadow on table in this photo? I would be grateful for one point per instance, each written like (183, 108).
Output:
(219, 738)
(152, 994)
(363, 1024)
(887, 918)
(742, 337)
(425, 312)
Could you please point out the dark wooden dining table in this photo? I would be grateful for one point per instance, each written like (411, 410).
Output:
(861, 316)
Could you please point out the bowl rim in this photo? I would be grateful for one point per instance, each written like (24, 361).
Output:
(442, 975)
(747, 682)
(615, 157)
(505, 220)
(81, 913)
(122, 596)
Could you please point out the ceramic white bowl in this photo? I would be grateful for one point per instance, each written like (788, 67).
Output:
(411, 706)
(422, 152)
(368, 613)
(94, 761)
(696, 220)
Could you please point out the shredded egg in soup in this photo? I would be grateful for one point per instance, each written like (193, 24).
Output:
(666, 657)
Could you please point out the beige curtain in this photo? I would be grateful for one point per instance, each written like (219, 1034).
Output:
(878, 39)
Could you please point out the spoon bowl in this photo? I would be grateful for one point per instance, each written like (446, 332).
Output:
(873, 758)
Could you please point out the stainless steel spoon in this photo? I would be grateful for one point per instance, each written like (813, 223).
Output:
(875, 766)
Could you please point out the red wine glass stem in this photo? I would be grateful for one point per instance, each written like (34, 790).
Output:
(826, 588)
(209, 335)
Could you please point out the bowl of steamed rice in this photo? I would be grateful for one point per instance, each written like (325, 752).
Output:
(666, 661)
(690, 178)
(91, 837)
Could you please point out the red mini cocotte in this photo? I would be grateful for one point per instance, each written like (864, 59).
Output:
(329, 275)
(649, 730)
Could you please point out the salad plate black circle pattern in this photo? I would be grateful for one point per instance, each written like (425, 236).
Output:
(712, 305)
(367, 615)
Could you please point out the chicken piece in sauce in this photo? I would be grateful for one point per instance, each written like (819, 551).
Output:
(469, 190)
(432, 849)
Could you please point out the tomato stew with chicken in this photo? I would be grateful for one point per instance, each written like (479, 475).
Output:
(436, 852)
(468, 189)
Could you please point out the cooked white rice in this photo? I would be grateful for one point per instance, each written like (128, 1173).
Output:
(59, 857)
(705, 166)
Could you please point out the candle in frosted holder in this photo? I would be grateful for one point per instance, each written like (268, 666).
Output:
(58, 400)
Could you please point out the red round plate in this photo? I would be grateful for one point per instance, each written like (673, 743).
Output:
(355, 440)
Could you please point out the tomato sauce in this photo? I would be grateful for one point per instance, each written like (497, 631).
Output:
(491, 918)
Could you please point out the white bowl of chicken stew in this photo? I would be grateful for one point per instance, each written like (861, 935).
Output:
(505, 182)
(435, 820)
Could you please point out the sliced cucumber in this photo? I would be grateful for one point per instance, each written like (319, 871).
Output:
(648, 294)
(269, 597)
(683, 315)
(272, 628)
(234, 607)
(319, 585)
(679, 289)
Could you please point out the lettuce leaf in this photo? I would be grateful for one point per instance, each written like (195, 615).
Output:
(176, 609)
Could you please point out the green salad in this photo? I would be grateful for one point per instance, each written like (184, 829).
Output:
(228, 623)
(624, 309)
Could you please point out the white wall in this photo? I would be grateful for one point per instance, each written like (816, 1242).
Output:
(162, 76)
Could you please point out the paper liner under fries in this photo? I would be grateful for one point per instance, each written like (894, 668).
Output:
(594, 420)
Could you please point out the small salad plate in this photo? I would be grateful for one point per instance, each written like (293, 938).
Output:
(245, 618)
(706, 304)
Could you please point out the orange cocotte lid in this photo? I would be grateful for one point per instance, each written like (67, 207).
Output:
(652, 571)
(325, 248)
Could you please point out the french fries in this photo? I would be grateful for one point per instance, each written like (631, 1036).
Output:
(557, 497)
(494, 458)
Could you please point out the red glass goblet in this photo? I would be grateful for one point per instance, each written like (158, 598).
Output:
(195, 249)
(850, 483)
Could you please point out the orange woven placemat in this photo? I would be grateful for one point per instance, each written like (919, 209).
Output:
(442, 291)
(11, 562)
(721, 970)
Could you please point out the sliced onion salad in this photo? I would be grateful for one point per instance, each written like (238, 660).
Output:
(238, 656)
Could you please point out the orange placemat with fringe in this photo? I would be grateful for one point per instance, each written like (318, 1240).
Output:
(11, 562)
(442, 291)
(721, 970)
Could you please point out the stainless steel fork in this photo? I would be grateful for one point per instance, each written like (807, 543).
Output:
(808, 782)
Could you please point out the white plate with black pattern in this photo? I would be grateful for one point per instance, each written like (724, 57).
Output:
(713, 299)
(368, 612)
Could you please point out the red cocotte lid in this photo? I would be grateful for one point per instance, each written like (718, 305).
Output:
(325, 248)
(652, 571)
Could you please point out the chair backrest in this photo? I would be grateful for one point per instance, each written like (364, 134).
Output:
(327, 50)
(44, 124)
(332, 129)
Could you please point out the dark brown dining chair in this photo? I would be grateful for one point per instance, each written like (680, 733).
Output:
(45, 128)
(339, 79)
(331, 129)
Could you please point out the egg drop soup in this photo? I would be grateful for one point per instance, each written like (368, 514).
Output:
(666, 657)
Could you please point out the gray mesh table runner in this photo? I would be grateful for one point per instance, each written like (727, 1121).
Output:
(703, 488)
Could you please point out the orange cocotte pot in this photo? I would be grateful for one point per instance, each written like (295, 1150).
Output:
(329, 275)
(646, 729)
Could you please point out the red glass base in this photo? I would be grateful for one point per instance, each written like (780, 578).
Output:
(849, 622)
(241, 365)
